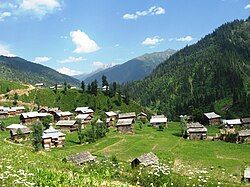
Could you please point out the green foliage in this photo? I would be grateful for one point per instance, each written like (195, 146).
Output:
(37, 136)
(46, 121)
(6, 86)
(104, 81)
(196, 77)
(83, 86)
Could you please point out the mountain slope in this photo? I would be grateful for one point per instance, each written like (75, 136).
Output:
(194, 80)
(18, 69)
(134, 69)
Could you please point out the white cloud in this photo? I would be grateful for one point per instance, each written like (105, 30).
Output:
(247, 6)
(83, 43)
(117, 45)
(68, 71)
(185, 39)
(40, 7)
(64, 37)
(154, 10)
(72, 59)
(152, 41)
(41, 59)
(100, 65)
(4, 15)
(5, 51)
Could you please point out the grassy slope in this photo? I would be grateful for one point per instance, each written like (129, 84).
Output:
(9, 85)
(226, 158)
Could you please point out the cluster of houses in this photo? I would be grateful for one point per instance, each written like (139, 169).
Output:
(198, 131)
(11, 111)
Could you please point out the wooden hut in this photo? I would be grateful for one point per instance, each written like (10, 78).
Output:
(125, 125)
(142, 115)
(16, 128)
(247, 174)
(3, 114)
(59, 115)
(195, 131)
(39, 85)
(245, 122)
(158, 120)
(69, 125)
(85, 118)
(130, 115)
(147, 159)
(212, 118)
(53, 138)
(81, 158)
(243, 136)
(84, 110)
(31, 117)
(111, 118)
(232, 122)
(18, 109)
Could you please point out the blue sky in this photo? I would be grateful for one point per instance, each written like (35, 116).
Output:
(81, 36)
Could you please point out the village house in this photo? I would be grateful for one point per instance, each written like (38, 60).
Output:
(243, 136)
(147, 159)
(15, 129)
(212, 118)
(127, 115)
(12, 111)
(125, 125)
(43, 110)
(232, 122)
(105, 88)
(158, 120)
(111, 118)
(195, 131)
(247, 174)
(84, 110)
(62, 116)
(53, 138)
(81, 158)
(3, 114)
(18, 109)
(142, 115)
(245, 122)
(85, 118)
(30, 117)
(69, 125)
(39, 85)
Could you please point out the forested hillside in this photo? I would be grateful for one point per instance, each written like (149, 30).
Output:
(18, 69)
(213, 74)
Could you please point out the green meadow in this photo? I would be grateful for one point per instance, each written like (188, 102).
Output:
(192, 162)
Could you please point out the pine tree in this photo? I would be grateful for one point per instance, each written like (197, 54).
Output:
(83, 86)
(37, 136)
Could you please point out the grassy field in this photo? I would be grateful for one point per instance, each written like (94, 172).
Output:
(6, 86)
(220, 162)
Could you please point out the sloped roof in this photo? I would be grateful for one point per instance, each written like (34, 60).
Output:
(99, 121)
(66, 113)
(110, 113)
(245, 120)
(212, 115)
(142, 114)
(81, 158)
(16, 126)
(124, 122)
(66, 123)
(127, 115)
(25, 130)
(148, 159)
(244, 132)
(18, 108)
(195, 127)
(52, 133)
(247, 173)
(232, 122)
(34, 114)
(82, 116)
(158, 119)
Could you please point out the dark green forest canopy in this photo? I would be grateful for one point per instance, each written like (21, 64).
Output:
(213, 74)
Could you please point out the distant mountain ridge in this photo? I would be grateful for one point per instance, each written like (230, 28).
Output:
(135, 69)
(18, 69)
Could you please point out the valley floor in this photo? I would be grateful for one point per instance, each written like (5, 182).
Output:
(219, 161)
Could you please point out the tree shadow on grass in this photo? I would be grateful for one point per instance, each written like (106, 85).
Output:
(177, 134)
(74, 142)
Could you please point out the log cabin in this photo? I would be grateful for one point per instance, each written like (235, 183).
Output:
(15, 129)
(31, 117)
(130, 115)
(59, 115)
(211, 118)
(85, 118)
(53, 138)
(111, 118)
(142, 115)
(125, 125)
(243, 136)
(68, 125)
(84, 110)
(158, 120)
(81, 158)
(195, 131)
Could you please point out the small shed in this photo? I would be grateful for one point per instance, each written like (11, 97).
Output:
(232, 122)
(245, 122)
(111, 118)
(59, 115)
(127, 115)
(81, 158)
(158, 120)
(142, 115)
(105, 88)
(212, 118)
(243, 136)
(125, 125)
(196, 131)
(84, 110)
(247, 174)
(14, 128)
(39, 85)
(85, 118)
(147, 159)
(69, 125)
(53, 138)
